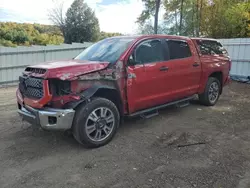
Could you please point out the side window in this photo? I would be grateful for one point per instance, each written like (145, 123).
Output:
(209, 47)
(149, 51)
(178, 49)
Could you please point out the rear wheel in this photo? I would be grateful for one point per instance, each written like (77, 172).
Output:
(211, 93)
(96, 122)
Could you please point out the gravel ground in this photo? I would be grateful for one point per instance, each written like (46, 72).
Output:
(195, 146)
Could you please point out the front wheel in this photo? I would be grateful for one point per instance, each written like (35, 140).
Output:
(96, 122)
(211, 93)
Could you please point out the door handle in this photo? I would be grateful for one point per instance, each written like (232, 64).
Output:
(163, 68)
(196, 64)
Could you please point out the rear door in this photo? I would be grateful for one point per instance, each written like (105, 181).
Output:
(146, 79)
(184, 68)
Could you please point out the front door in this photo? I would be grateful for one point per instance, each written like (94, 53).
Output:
(146, 79)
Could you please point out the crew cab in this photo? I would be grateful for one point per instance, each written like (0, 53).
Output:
(121, 76)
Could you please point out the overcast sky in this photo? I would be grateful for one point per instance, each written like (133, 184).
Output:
(113, 15)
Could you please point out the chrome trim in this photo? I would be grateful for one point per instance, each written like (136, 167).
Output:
(64, 117)
(27, 116)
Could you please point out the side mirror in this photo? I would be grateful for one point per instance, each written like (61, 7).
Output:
(132, 62)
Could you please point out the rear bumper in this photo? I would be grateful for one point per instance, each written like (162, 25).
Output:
(48, 118)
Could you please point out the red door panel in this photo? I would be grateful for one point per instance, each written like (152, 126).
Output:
(176, 76)
(146, 81)
(146, 86)
(184, 69)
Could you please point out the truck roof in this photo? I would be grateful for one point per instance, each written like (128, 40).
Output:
(150, 36)
(200, 38)
(161, 36)
(139, 37)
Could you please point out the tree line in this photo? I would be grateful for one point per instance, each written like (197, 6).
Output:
(13, 34)
(79, 24)
(24, 34)
(206, 18)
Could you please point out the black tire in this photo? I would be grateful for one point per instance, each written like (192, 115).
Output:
(82, 116)
(204, 97)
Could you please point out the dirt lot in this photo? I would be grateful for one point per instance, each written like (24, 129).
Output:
(195, 146)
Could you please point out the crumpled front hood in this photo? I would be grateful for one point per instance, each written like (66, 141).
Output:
(65, 70)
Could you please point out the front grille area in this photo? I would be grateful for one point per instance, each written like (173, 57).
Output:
(35, 70)
(31, 87)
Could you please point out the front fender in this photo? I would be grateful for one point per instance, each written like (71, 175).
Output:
(86, 95)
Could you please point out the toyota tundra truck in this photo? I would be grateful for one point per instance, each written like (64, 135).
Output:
(121, 76)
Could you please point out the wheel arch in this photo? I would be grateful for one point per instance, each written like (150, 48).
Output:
(104, 91)
(218, 75)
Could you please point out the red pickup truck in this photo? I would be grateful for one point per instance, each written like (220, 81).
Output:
(121, 76)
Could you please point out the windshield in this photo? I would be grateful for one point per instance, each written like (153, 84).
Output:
(106, 50)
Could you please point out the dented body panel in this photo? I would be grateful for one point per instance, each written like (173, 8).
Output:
(67, 70)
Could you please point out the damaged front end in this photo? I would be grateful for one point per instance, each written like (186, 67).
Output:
(49, 98)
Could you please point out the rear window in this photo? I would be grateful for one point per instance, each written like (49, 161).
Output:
(178, 49)
(210, 47)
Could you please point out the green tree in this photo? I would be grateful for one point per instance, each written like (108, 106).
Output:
(81, 23)
(151, 10)
(148, 28)
(104, 35)
(12, 34)
(226, 19)
(183, 17)
(208, 18)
